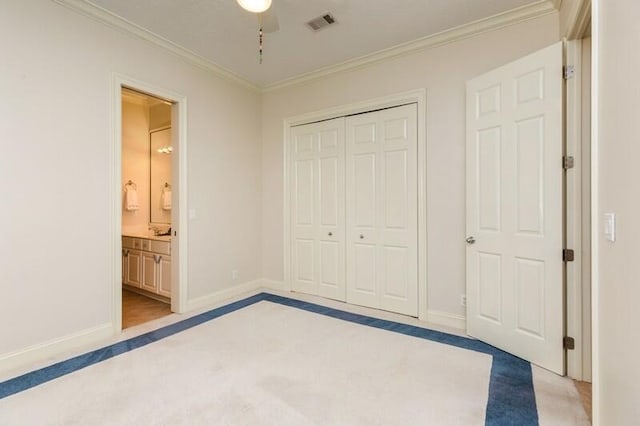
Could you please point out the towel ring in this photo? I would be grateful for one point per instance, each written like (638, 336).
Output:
(131, 184)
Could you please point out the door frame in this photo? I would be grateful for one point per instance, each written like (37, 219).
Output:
(418, 97)
(179, 220)
(578, 220)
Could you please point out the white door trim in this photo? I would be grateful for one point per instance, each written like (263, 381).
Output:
(179, 215)
(415, 96)
(578, 277)
(595, 213)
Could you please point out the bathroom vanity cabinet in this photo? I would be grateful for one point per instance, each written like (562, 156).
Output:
(146, 264)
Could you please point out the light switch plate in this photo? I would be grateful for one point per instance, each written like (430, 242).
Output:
(610, 226)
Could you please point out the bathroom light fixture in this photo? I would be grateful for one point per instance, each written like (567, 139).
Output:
(255, 6)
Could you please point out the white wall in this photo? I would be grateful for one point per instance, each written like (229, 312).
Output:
(135, 164)
(617, 151)
(55, 77)
(443, 71)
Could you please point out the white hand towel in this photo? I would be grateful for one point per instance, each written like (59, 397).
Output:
(166, 199)
(131, 199)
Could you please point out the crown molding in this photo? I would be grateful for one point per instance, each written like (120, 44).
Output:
(579, 21)
(106, 17)
(512, 17)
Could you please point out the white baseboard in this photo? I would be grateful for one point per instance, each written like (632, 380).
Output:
(443, 319)
(220, 296)
(38, 353)
(273, 284)
(446, 319)
(24, 358)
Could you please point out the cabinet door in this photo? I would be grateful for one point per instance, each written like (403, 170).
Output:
(133, 269)
(149, 272)
(164, 276)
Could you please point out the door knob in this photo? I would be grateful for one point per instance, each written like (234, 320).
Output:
(330, 234)
(471, 240)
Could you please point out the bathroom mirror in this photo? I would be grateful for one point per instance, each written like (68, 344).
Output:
(161, 194)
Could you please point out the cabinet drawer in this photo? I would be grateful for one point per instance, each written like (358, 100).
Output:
(163, 247)
(145, 245)
(128, 242)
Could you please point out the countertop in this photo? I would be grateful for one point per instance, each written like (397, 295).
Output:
(148, 236)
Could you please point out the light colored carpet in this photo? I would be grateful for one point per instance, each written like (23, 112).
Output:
(272, 364)
(268, 364)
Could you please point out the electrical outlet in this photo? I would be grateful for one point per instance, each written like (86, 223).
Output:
(463, 300)
(234, 274)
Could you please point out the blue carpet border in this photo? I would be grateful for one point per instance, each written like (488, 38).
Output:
(511, 393)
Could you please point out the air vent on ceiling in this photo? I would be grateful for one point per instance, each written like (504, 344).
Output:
(321, 22)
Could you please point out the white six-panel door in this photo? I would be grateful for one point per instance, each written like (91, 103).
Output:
(381, 196)
(514, 208)
(318, 209)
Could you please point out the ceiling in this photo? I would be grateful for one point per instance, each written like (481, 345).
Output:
(226, 35)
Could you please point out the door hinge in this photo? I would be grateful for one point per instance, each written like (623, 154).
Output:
(568, 343)
(568, 255)
(568, 72)
(568, 162)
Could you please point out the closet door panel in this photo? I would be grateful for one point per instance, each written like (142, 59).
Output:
(382, 210)
(396, 200)
(363, 267)
(399, 210)
(364, 131)
(363, 191)
(331, 211)
(329, 261)
(304, 184)
(305, 259)
(364, 271)
(303, 142)
(396, 272)
(331, 139)
(303, 214)
(317, 209)
(329, 201)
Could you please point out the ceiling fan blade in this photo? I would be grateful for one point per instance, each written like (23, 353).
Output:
(269, 20)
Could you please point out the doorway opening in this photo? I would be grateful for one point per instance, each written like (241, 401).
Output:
(149, 199)
(146, 207)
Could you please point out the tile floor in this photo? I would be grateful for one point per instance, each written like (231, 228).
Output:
(138, 309)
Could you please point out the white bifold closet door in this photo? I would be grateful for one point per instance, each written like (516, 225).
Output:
(318, 209)
(382, 211)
